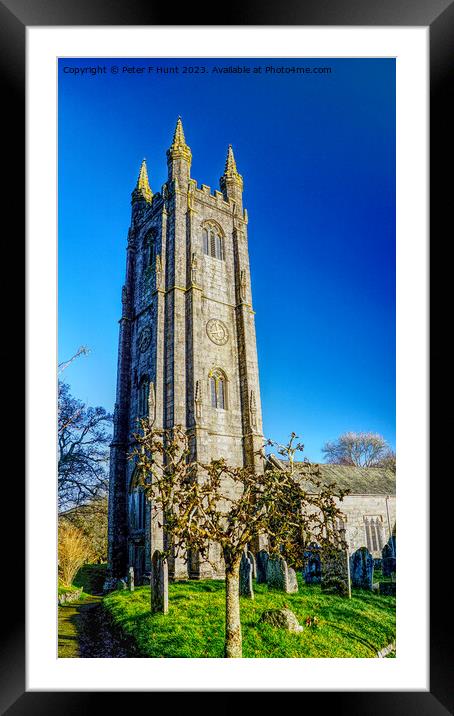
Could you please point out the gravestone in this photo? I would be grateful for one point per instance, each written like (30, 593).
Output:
(281, 618)
(292, 582)
(121, 584)
(312, 570)
(251, 558)
(261, 563)
(362, 569)
(159, 583)
(387, 588)
(246, 589)
(131, 579)
(280, 576)
(336, 573)
(388, 560)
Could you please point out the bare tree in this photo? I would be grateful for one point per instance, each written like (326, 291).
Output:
(84, 434)
(388, 461)
(91, 519)
(198, 504)
(360, 449)
(81, 351)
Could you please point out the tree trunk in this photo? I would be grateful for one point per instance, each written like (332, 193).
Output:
(233, 641)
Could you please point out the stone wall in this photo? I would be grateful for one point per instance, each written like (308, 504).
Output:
(358, 507)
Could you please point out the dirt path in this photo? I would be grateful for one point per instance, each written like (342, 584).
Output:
(85, 632)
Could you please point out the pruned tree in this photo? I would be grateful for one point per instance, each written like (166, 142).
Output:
(84, 434)
(360, 449)
(198, 504)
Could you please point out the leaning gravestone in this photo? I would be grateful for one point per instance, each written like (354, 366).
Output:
(159, 583)
(312, 570)
(362, 569)
(280, 576)
(121, 584)
(388, 560)
(131, 579)
(251, 558)
(246, 589)
(336, 573)
(261, 563)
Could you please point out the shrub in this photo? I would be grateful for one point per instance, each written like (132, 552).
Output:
(73, 551)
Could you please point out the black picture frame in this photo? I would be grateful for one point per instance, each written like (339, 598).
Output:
(15, 17)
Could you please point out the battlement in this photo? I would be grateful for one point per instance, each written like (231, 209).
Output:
(217, 197)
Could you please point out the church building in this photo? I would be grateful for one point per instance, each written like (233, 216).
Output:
(187, 356)
(187, 347)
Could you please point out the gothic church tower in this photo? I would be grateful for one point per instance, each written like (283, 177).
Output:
(187, 347)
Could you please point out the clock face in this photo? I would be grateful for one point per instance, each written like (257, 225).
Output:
(144, 339)
(217, 331)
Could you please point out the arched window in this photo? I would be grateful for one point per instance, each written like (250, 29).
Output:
(213, 243)
(218, 389)
(142, 402)
(137, 509)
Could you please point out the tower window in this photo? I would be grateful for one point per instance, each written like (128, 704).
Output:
(213, 244)
(218, 390)
(144, 388)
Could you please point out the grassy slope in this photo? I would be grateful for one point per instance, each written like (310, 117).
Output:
(91, 578)
(194, 627)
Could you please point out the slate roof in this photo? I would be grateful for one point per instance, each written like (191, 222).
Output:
(359, 480)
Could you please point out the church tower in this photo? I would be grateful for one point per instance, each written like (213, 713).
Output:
(187, 347)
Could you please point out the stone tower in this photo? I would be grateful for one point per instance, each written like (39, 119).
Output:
(187, 347)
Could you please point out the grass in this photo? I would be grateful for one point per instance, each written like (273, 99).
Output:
(194, 626)
(64, 589)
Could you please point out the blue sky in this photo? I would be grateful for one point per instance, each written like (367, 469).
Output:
(317, 153)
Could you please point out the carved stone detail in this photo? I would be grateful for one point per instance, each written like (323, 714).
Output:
(158, 271)
(253, 410)
(194, 268)
(243, 285)
(144, 339)
(217, 331)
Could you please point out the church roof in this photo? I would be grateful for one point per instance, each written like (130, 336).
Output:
(359, 480)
